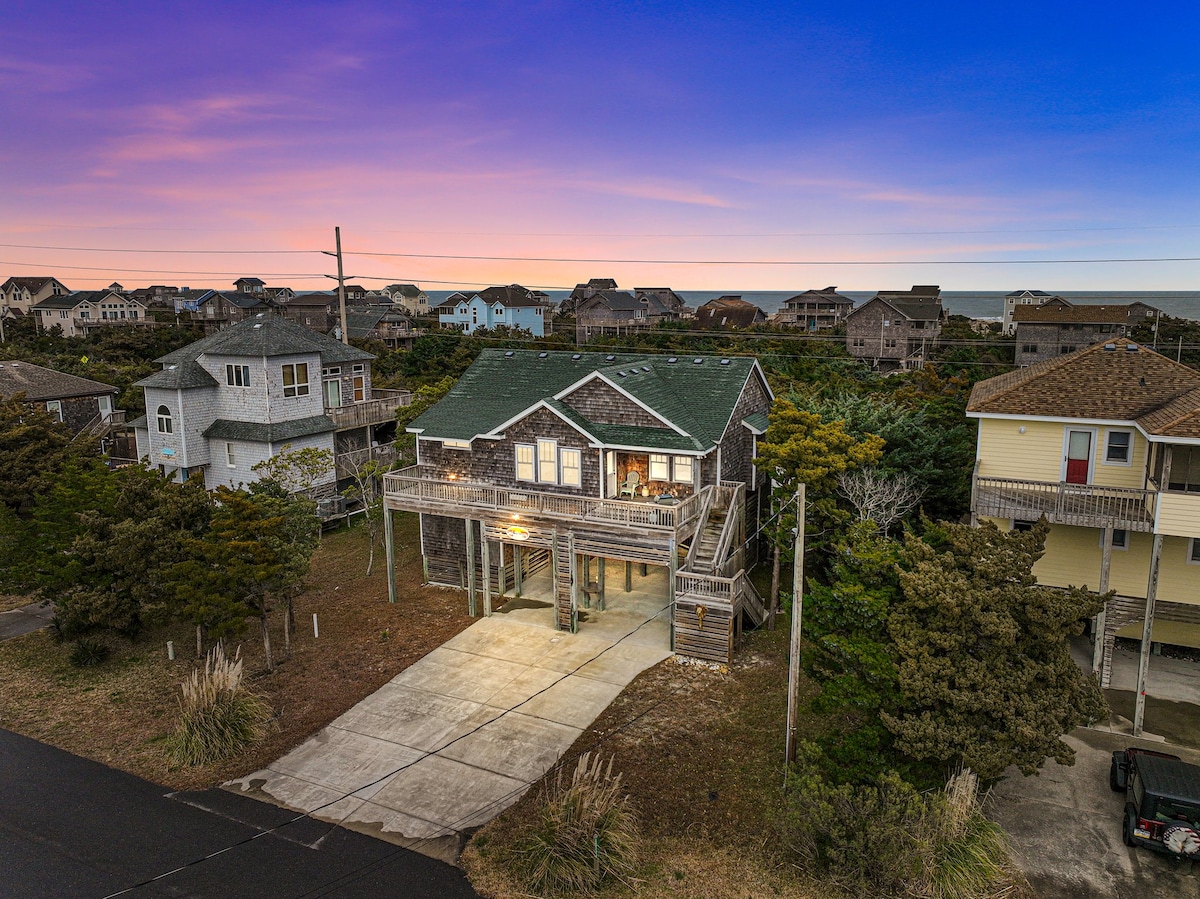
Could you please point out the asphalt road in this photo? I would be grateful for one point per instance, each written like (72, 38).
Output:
(70, 828)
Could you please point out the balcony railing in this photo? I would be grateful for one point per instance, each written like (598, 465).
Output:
(422, 489)
(1082, 505)
(379, 408)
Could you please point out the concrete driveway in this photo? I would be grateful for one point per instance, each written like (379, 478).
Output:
(456, 738)
(25, 620)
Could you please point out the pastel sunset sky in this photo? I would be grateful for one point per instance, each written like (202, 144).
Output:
(847, 133)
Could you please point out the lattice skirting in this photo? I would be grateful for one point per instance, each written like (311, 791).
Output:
(1121, 611)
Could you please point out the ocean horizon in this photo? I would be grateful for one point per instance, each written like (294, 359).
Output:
(983, 304)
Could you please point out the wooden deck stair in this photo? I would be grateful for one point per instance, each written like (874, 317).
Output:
(703, 558)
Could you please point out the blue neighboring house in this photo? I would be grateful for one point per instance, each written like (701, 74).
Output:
(513, 306)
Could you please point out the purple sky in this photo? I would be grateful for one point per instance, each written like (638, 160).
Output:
(794, 131)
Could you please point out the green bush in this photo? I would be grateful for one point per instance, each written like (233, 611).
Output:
(89, 652)
(886, 839)
(585, 833)
(218, 717)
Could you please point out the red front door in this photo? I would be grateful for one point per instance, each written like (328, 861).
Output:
(1079, 455)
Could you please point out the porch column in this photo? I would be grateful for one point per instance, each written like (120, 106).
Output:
(1139, 710)
(470, 527)
(628, 576)
(486, 552)
(389, 546)
(586, 562)
(1098, 621)
(600, 563)
(503, 586)
(516, 551)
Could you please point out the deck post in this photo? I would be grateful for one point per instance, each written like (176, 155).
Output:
(517, 569)
(470, 566)
(1139, 709)
(389, 546)
(502, 587)
(600, 562)
(672, 563)
(586, 561)
(554, 579)
(1098, 623)
(574, 569)
(486, 562)
(628, 577)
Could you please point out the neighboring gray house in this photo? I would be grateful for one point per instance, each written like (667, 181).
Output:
(235, 398)
(814, 310)
(79, 403)
(1017, 299)
(895, 329)
(1057, 326)
(603, 310)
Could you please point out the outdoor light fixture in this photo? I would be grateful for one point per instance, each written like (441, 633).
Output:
(518, 533)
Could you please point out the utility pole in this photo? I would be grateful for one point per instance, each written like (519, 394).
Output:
(341, 279)
(797, 616)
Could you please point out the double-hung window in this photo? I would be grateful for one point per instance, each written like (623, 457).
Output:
(547, 461)
(525, 462)
(683, 470)
(1119, 450)
(165, 425)
(570, 463)
(295, 379)
(237, 375)
(660, 467)
(54, 407)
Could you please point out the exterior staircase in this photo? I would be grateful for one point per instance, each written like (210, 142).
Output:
(713, 593)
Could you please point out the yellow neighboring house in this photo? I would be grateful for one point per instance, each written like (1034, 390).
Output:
(1104, 442)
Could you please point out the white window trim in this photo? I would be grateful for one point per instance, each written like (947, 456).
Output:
(297, 387)
(578, 467)
(658, 459)
(1107, 435)
(168, 418)
(233, 371)
(552, 460)
(1192, 551)
(675, 473)
(1116, 545)
(1062, 475)
(229, 461)
(54, 407)
(532, 462)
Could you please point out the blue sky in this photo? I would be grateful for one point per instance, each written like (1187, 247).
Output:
(823, 132)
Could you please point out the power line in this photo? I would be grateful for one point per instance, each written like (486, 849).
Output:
(303, 276)
(30, 246)
(770, 262)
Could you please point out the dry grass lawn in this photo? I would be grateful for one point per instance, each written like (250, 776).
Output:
(119, 712)
(700, 750)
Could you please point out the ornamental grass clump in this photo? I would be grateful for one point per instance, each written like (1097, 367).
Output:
(969, 856)
(585, 833)
(218, 718)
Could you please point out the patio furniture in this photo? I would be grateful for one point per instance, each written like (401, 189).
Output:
(630, 486)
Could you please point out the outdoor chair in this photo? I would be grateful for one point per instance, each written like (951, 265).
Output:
(630, 486)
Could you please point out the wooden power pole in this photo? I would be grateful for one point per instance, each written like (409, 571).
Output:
(797, 617)
(341, 279)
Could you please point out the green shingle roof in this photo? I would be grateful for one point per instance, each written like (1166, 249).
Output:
(259, 432)
(698, 398)
(267, 335)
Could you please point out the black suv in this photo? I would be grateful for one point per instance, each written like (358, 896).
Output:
(1162, 801)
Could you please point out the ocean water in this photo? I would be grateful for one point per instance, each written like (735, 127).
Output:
(971, 303)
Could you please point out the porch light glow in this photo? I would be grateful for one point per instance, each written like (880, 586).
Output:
(518, 533)
(452, 476)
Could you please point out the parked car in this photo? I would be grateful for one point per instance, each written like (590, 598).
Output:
(1162, 800)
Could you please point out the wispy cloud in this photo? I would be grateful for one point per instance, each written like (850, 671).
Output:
(33, 75)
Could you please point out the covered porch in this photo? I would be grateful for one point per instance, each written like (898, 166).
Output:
(649, 476)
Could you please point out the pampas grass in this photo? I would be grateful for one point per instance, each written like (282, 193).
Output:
(218, 718)
(586, 833)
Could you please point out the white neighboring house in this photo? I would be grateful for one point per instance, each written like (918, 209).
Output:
(78, 312)
(235, 398)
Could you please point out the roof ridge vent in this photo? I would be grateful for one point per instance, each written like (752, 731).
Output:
(610, 358)
(672, 360)
(508, 354)
(724, 361)
(645, 368)
(575, 357)
(1109, 347)
(1131, 347)
(697, 361)
(543, 355)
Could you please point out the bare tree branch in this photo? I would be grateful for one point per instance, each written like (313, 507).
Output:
(878, 497)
